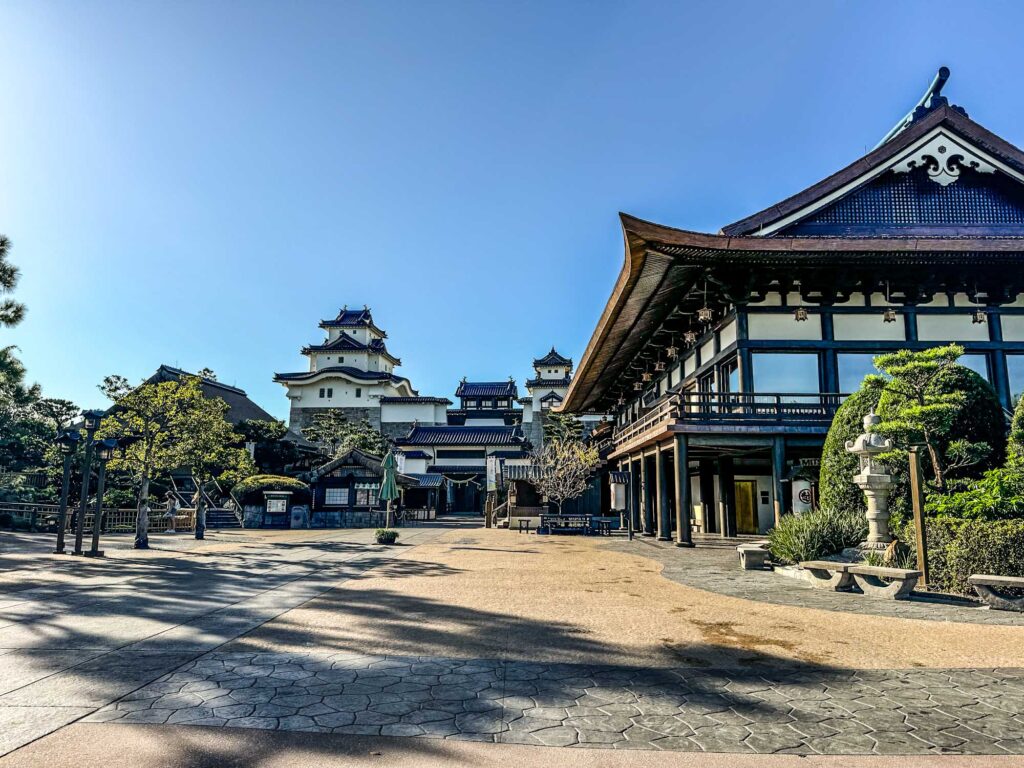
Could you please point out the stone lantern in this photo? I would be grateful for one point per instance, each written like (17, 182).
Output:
(874, 479)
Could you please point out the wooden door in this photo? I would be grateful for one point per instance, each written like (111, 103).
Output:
(746, 506)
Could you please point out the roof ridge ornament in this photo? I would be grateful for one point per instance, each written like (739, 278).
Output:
(932, 100)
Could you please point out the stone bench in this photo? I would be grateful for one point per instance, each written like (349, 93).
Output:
(754, 556)
(825, 574)
(992, 589)
(888, 583)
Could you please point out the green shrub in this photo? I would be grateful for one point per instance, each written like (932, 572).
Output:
(998, 495)
(385, 535)
(838, 466)
(959, 548)
(250, 490)
(1015, 447)
(119, 498)
(816, 534)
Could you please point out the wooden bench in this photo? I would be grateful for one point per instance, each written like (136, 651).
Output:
(888, 583)
(825, 574)
(565, 524)
(753, 557)
(601, 527)
(992, 589)
(524, 524)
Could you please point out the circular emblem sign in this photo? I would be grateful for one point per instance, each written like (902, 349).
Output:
(805, 495)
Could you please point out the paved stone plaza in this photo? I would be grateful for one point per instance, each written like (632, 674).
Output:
(466, 635)
(563, 705)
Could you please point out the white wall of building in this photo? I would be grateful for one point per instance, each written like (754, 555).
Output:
(950, 328)
(867, 327)
(424, 413)
(782, 327)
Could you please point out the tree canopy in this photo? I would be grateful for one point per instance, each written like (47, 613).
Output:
(333, 430)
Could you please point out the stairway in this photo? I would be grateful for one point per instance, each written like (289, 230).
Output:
(221, 518)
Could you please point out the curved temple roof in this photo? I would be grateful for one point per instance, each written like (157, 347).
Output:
(668, 273)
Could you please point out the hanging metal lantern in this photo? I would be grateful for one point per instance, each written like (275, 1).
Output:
(646, 376)
(889, 315)
(705, 314)
(637, 386)
(659, 366)
(690, 337)
(800, 314)
(980, 316)
(672, 352)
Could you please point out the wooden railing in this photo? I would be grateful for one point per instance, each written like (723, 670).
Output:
(114, 520)
(735, 408)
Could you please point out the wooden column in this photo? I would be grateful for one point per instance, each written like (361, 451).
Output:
(647, 484)
(778, 473)
(726, 497)
(664, 524)
(684, 502)
(707, 495)
(634, 494)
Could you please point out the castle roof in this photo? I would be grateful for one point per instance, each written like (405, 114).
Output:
(353, 318)
(345, 343)
(552, 358)
(463, 436)
(487, 389)
(342, 370)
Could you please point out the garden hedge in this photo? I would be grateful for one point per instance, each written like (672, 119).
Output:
(250, 490)
(959, 548)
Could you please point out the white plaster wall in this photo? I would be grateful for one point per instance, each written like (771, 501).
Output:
(856, 299)
(867, 327)
(938, 300)
(707, 351)
(782, 327)
(471, 421)
(417, 466)
(421, 412)
(690, 364)
(950, 328)
(727, 335)
(963, 300)
(1013, 327)
(440, 414)
(344, 394)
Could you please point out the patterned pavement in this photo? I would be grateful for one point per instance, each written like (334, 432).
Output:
(801, 709)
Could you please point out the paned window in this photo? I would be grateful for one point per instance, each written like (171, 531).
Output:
(336, 497)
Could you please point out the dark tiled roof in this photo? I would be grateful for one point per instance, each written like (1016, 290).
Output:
(535, 383)
(353, 318)
(551, 396)
(345, 343)
(552, 358)
(240, 407)
(355, 456)
(428, 480)
(463, 436)
(416, 455)
(420, 400)
(457, 469)
(347, 370)
(487, 389)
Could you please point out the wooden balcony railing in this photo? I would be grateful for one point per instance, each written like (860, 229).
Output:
(736, 409)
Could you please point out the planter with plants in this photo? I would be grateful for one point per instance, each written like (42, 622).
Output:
(385, 535)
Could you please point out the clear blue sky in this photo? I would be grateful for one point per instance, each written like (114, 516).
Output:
(198, 183)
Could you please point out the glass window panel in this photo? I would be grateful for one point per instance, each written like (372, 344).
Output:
(1015, 365)
(977, 363)
(853, 367)
(795, 372)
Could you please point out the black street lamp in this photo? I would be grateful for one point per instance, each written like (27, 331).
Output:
(104, 453)
(67, 441)
(92, 423)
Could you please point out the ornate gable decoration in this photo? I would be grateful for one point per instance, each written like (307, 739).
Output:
(944, 157)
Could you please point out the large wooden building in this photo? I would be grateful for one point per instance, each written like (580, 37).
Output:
(724, 356)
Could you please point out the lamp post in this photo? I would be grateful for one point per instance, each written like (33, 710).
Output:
(92, 423)
(104, 453)
(68, 441)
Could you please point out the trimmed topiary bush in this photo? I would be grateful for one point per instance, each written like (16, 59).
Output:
(250, 490)
(838, 466)
(816, 534)
(1015, 447)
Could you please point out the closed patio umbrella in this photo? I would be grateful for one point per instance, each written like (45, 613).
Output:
(389, 485)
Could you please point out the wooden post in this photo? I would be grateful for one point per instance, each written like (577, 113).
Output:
(684, 501)
(917, 498)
